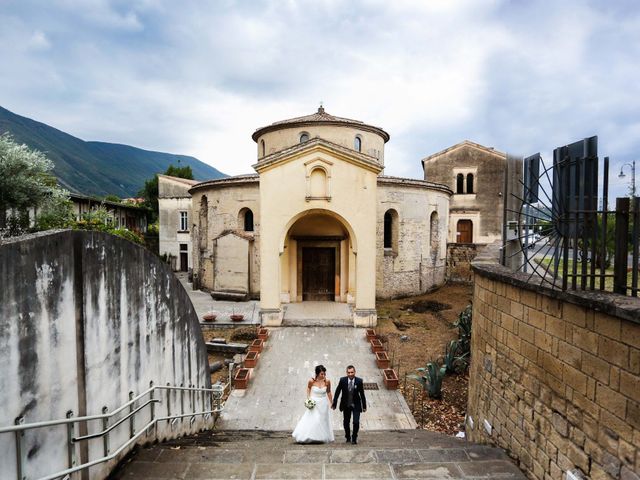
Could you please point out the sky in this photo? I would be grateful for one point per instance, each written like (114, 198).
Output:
(199, 77)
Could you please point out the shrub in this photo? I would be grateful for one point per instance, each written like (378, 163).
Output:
(453, 362)
(431, 378)
(463, 324)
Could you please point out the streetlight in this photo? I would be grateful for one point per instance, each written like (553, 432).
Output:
(633, 176)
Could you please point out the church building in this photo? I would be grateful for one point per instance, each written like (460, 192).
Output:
(318, 222)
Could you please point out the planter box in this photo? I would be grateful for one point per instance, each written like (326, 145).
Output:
(382, 360)
(241, 379)
(376, 345)
(236, 317)
(390, 378)
(256, 346)
(371, 334)
(251, 360)
(263, 334)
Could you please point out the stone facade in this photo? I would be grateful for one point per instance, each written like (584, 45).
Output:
(556, 377)
(459, 258)
(176, 219)
(415, 262)
(319, 192)
(479, 198)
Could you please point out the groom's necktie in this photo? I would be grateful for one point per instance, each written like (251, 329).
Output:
(351, 385)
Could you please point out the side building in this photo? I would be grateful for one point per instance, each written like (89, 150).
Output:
(174, 203)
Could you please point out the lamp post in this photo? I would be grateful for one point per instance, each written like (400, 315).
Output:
(633, 175)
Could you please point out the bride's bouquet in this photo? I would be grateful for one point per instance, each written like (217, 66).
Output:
(309, 403)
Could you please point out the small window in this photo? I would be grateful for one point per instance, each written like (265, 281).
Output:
(469, 182)
(248, 220)
(184, 247)
(304, 137)
(263, 148)
(357, 144)
(460, 183)
(184, 221)
(388, 225)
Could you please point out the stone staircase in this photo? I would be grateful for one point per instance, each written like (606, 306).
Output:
(394, 455)
(318, 314)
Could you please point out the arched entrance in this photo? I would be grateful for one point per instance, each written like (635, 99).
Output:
(464, 231)
(317, 258)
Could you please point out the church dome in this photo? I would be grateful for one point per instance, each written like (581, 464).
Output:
(319, 118)
(352, 134)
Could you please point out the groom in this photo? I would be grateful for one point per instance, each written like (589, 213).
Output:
(353, 402)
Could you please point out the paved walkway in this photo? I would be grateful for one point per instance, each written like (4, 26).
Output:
(326, 314)
(203, 303)
(394, 455)
(277, 389)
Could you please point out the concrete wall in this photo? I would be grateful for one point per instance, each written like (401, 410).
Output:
(86, 318)
(416, 263)
(557, 376)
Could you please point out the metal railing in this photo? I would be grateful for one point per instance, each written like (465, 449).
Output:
(211, 400)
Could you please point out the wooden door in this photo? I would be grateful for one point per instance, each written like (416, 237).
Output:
(184, 261)
(318, 273)
(464, 231)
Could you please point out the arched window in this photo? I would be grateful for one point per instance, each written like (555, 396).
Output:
(248, 220)
(263, 148)
(388, 226)
(318, 182)
(469, 182)
(357, 144)
(460, 183)
(434, 235)
(304, 137)
(390, 239)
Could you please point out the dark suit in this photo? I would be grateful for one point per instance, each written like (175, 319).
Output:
(351, 403)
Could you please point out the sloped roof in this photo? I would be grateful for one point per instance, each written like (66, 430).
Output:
(186, 181)
(320, 117)
(465, 143)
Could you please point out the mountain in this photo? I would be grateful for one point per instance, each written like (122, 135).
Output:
(97, 168)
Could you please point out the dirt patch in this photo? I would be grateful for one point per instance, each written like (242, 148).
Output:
(414, 338)
(230, 334)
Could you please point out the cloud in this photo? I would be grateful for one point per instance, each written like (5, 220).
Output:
(199, 77)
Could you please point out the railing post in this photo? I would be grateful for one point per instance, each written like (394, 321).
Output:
(635, 243)
(622, 248)
(71, 448)
(169, 406)
(181, 402)
(19, 457)
(153, 405)
(132, 426)
(105, 425)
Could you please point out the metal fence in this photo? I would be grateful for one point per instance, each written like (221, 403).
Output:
(204, 402)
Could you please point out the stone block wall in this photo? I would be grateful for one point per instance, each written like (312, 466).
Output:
(459, 258)
(556, 376)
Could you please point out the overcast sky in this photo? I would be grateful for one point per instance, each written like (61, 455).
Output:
(198, 78)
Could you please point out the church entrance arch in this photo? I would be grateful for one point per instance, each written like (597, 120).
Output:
(317, 259)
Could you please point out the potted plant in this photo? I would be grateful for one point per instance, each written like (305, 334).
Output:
(263, 333)
(382, 360)
(371, 334)
(209, 317)
(256, 345)
(236, 317)
(390, 378)
(251, 359)
(241, 379)
(376, 345)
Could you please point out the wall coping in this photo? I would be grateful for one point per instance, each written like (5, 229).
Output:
(620, 306)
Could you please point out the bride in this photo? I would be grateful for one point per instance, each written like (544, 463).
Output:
(315, 424)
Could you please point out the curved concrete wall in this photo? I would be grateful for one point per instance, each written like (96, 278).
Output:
(86, 318)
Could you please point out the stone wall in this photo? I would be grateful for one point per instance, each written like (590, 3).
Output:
(555, 377)
(85, 319)
(459, 258)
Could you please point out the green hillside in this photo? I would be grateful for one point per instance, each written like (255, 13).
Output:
(97, 168)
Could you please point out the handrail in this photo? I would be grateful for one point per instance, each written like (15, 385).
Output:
(62, 421)
(20, 428)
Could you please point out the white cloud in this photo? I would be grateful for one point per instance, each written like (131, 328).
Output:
(197, 78)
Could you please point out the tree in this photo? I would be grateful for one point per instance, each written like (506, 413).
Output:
(56, 211)
(112, 198)
(150, 190)
(26, 180)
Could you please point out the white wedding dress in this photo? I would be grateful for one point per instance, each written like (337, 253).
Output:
(315, 424)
